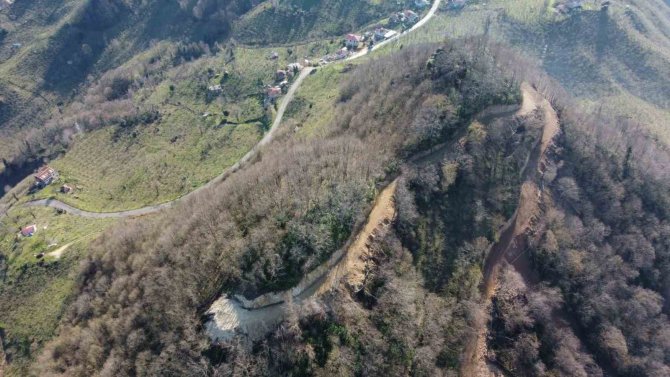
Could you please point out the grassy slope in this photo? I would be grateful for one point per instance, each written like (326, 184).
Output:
(116, 169)
(34, 292)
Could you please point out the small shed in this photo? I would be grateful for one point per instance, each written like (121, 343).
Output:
(273, 92)
(343, 53)
(280, 75)
(379, 33)
(29, 230)
(215, 88)
(66, 189)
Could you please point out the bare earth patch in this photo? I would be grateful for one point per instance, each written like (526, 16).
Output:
(511, 245)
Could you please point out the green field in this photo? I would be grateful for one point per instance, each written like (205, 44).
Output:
(35, 291)
(119, 168)
(313, 106)
(53, 231)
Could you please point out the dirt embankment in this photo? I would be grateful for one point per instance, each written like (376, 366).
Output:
(511, 244)
(254, 318)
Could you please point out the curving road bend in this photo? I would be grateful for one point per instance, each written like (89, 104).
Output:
(55, 203)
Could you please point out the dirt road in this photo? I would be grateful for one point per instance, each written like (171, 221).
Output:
(230, 318)
(512, 240)
(59, 252)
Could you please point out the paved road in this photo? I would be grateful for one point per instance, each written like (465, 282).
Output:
(431, 12)
(55, 203)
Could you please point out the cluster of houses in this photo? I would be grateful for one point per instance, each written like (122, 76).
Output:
(44, 176)
(352, 42)
(282, 78)
(405, 17)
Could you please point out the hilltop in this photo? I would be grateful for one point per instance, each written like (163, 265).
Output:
(484, 195)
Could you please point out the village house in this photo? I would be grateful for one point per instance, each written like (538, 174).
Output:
(410, 16)
(215, 88)
(280, 75)
(273, 92)
(352, 41)
(44, 176)
(294, 67)
(29, 230)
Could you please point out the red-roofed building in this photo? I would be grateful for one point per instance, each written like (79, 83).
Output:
(352, 40)
(44, 176)
(29, 230)
(273, 92)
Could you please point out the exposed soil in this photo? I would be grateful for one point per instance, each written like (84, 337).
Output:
(511, 245)
(230, 318)
(351, 270)
(59, 252)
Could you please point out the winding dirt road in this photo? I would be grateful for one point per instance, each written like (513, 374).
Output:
(230, 317)
(55, 203)
(512, 238)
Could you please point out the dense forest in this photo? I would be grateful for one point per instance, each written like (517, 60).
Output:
(143, 287)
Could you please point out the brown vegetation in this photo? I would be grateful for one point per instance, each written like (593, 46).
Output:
(603, 252)
(143, 286)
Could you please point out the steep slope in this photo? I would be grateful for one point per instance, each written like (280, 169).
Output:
(267, 225)
(613, 59)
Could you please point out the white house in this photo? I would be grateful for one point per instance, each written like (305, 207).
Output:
(352, 40)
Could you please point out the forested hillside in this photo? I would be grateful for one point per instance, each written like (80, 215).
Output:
(526, 227)
(54, 54)
(275, 220)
